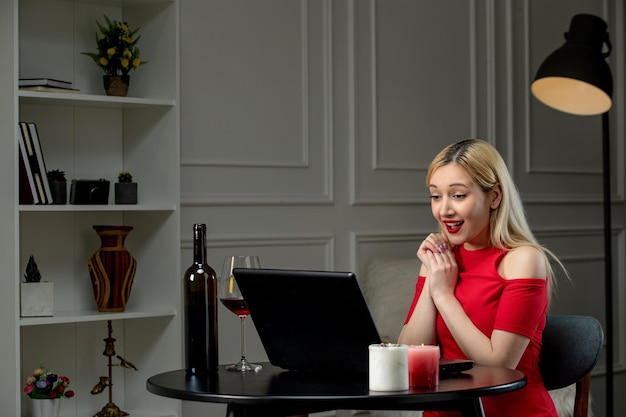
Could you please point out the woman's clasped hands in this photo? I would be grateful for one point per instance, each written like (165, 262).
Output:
(438, 258)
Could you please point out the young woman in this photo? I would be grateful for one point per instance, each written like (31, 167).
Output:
(484, 284)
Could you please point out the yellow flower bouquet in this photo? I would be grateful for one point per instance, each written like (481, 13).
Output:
(118, 53)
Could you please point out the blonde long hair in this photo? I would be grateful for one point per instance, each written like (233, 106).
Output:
(509, 228)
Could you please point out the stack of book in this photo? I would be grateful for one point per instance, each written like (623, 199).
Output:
(47, 85)
(34, 187)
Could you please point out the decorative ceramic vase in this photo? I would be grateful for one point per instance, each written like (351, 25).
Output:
(112, 269)
(45, 407)
(116, 85)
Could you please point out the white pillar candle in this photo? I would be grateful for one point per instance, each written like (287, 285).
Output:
(388, 367)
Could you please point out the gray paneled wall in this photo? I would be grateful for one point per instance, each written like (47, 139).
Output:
(307, 127)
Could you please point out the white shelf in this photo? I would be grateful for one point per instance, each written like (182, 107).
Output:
(93, 100)
(88, 134)
(83, 316)
(120, 3)
(133, 413)
(51, 208)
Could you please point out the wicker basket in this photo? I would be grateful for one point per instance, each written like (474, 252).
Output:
(116, 85)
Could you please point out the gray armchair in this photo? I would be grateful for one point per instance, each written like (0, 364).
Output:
(571, 348)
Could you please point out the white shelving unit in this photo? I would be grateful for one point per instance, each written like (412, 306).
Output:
(90, 136)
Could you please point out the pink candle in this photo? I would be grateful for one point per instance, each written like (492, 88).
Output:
(423, 365)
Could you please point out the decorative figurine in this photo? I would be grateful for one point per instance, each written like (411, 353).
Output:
(110, 409)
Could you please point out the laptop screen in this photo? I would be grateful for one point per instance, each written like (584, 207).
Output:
(310, 320)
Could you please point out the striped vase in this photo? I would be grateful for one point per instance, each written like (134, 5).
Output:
(112, 269)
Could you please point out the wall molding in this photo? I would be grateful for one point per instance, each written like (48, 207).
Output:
(273, 171)
(368, 103)
(246, 161)
(303, 240)
(266, 199)
(359, 238)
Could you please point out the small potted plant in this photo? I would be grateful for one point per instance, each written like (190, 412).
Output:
(58, 186)
(117, 55)
(36, 296)
(45, 389)
(125, 189)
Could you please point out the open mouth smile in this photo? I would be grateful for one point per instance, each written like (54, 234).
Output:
(453, 226)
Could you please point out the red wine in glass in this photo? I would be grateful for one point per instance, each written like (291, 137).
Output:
(236, 305)
(232, 299)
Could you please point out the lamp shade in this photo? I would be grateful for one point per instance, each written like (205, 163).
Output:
(576, 78)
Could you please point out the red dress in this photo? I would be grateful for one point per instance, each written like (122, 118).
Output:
(492, 302)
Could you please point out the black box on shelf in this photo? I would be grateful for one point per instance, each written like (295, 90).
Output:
(90, 191)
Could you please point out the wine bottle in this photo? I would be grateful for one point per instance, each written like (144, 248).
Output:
(200, 303)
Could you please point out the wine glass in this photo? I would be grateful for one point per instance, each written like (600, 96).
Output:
(232, 299)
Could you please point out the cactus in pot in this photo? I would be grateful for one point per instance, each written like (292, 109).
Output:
(125, 189)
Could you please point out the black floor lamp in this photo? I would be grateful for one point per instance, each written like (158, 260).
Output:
(576, 79)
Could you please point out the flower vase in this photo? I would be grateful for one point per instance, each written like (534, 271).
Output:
(116, 85)
(45, 407)
(112, 269)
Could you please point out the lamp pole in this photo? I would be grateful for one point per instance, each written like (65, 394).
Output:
(608, 261)
(576, 79)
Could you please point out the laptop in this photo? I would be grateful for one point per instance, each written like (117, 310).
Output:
(315, 320)
(310, 320)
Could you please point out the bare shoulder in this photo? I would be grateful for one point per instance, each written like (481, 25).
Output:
(523, 262)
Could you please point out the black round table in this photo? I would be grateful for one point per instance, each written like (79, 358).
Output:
(276, 392)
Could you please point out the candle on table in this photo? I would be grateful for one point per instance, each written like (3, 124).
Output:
(388, 367)
(423, 365)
